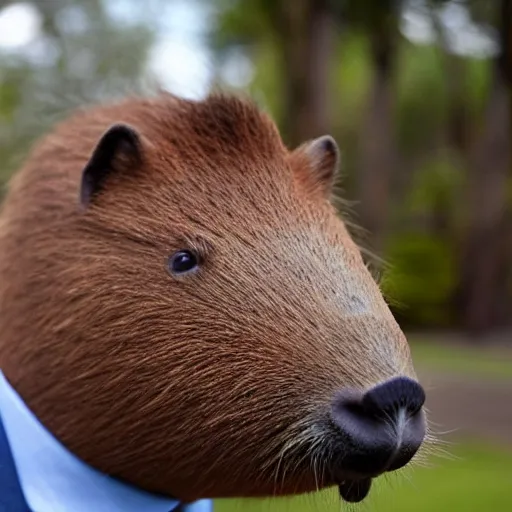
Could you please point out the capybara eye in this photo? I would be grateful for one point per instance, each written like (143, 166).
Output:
(182, 262)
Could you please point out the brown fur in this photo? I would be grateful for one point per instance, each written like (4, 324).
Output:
(204, 385)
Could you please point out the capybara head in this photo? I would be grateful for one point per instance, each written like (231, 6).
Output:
(182, 307)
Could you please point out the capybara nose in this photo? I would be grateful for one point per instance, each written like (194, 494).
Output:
(381, 429)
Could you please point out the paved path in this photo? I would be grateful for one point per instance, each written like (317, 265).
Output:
(469, 407)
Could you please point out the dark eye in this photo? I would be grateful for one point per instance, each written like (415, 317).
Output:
(182, 262)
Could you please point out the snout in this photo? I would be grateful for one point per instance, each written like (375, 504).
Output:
(380, 430)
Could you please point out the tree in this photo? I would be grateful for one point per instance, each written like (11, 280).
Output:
(84, 56)
(303, 36)
(485, 261)
(306, 32)
(377, 145)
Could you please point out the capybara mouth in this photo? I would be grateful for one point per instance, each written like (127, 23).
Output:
(354, 491)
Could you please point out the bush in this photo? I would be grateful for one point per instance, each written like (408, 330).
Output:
(420, 279)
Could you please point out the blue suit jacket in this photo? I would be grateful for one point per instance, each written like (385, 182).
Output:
(38, 474)
(11, 495)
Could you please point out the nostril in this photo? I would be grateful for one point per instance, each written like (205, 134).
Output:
(388, 398)
(379, 430)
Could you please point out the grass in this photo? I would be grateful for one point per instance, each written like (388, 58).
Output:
(477, 479)
(462, 360)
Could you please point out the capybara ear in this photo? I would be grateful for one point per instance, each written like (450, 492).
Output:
(120, 143)
(319, 158)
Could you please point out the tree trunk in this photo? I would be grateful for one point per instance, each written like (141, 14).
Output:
(307, 32)
(506, 55)
(377, 141)
(454, 67)
(485, 260)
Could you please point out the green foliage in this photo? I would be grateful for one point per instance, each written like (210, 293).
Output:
(479, 73)
(242, 23)
(10, 96)
(266, 86)
(421, 277)
(421, 96)
(436, 185)
(82, 63)
(351, 79)
(423, 272)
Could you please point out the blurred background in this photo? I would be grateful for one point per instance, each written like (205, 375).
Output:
(417, 94)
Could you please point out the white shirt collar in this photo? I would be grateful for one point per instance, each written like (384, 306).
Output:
(55, 480)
